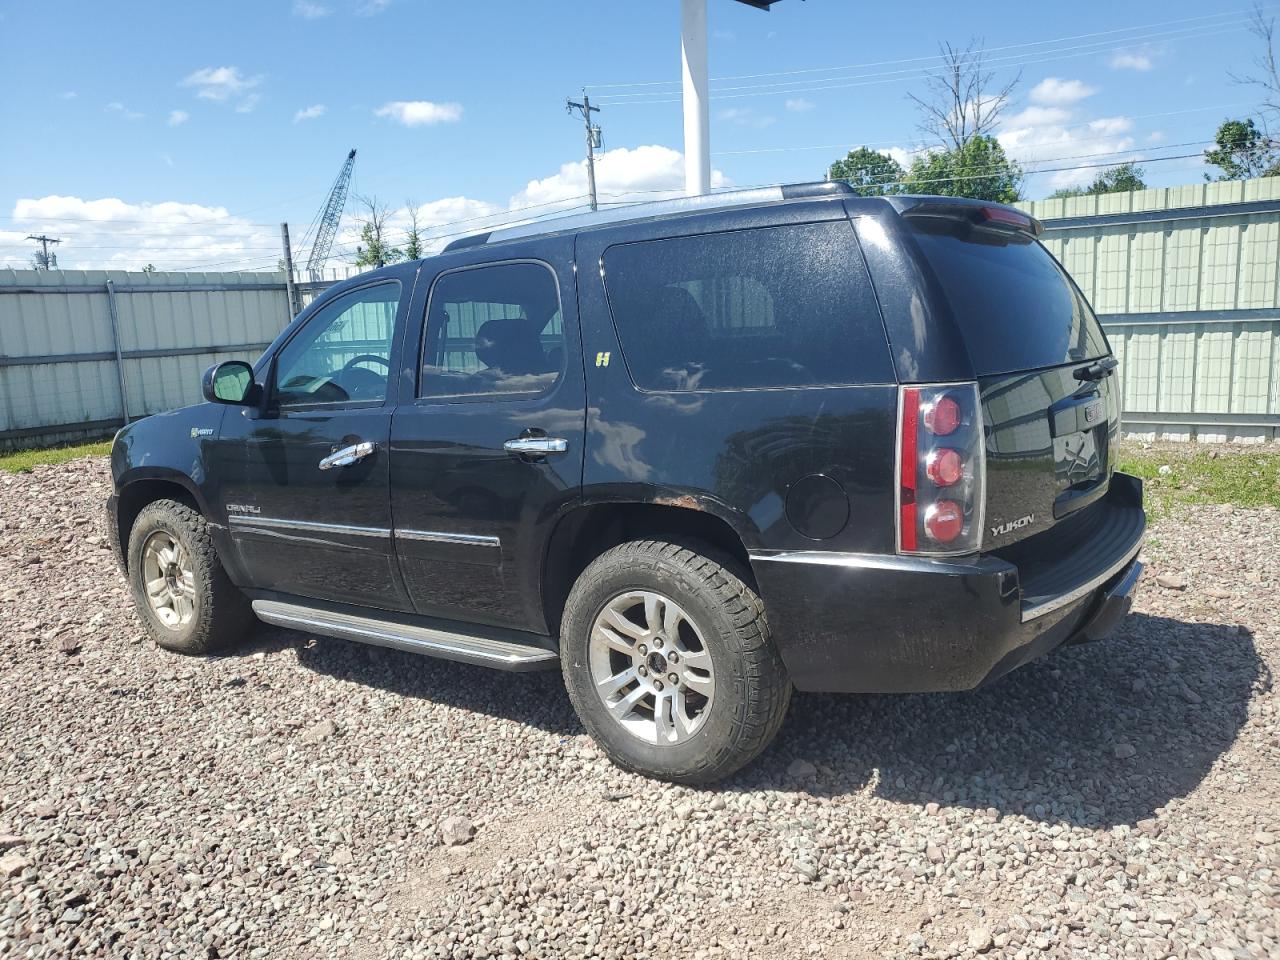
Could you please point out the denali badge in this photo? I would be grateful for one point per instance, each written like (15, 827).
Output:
(1093, 411)
(242, 508)
(1012, 525)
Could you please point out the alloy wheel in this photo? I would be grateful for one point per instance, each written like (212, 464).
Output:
(169, 580)
(650, 667)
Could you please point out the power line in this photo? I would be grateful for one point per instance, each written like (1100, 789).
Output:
(937, 57)
(874, 79)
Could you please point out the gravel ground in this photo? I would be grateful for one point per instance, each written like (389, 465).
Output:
(313, 798)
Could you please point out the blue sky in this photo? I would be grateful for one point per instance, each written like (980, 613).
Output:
(182, 133)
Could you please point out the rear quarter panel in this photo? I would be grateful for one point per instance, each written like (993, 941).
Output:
(732, 453)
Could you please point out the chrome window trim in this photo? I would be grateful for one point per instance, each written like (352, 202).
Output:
(440, 536)
(277, 523)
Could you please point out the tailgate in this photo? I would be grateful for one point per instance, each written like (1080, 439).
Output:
(1050, 448)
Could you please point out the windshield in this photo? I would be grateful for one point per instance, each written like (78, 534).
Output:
(1016, 306)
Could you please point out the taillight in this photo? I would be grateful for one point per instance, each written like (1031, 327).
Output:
(941, 469)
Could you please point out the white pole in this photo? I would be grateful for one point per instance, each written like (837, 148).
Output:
(697, 118)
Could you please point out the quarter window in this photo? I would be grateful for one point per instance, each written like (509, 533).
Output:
(343, 355)
(493, 330)
(768, 307)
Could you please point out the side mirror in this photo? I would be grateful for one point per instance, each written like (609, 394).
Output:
(229, 382)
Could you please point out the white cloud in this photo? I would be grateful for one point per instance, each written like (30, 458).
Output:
(115, 234)
(800, 105)
(639, 173)
(1132, 60)
(221, 84)
(68, 95)
(178, 117)
(115, 106)
(1034, 116)
(310, 113)
(370, 8)
(415, 113)
(1091, 142)
(309, 11)
(1053, 91)
(747, 117)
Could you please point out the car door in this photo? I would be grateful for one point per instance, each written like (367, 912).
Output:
(306, 479)
(488, 453)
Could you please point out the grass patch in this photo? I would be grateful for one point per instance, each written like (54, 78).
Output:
(1191, 474)
(22, 461)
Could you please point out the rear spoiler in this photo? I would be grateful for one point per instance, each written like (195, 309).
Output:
(993, 216)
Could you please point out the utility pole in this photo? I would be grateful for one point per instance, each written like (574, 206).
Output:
(290, 291)
(593, 140)
(44, 259)
(697, 117)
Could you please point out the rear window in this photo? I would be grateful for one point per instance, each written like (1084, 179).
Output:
(768, 307)
(1017, 308)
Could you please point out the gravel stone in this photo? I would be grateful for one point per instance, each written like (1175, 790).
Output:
(800, 769)
(455, 831)
(174, 808)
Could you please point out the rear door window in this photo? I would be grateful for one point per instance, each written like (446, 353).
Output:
(1017, 308)
(769, 307)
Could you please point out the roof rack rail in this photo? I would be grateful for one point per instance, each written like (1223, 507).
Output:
(658, 208)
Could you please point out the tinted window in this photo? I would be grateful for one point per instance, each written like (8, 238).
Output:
(493, 330)
(343, 354)
(1016, 307)
(771, 307)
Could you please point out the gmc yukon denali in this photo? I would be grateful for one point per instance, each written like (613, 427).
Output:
(695, 454)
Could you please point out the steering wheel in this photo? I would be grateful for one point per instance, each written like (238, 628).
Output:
(360, 382)
(361, 358)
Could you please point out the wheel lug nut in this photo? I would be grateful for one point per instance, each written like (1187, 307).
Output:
(657, 642)
(673, 678)
(657, 684)
(673, 657)
(643, 671)
(643, 649)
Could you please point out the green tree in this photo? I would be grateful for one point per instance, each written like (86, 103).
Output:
(149, 268)
(1119, 179)
(374, 249)
(980, 169)
(1243, 152)
(871, 174)
(414, 248)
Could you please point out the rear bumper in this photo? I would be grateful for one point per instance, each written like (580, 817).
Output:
(888, 624)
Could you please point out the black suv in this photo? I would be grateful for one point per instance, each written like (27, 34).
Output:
(694, 453)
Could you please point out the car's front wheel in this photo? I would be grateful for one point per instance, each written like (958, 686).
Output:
(669, 662)
(182, 594)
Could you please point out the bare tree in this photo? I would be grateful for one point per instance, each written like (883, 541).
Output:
(960, 103)
(1266, 69)
(375, 249)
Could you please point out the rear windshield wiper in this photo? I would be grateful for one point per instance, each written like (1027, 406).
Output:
(1098, 370)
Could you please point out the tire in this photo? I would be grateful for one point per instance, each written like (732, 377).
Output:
(205, 611)
(720, 626)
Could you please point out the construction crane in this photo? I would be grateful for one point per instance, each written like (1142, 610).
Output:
(327, 228)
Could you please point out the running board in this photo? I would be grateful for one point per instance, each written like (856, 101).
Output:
(431, 641)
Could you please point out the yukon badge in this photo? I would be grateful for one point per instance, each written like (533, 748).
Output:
(1011, 525)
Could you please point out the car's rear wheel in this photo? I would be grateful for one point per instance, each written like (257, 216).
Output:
(669, 662)
(182, 594)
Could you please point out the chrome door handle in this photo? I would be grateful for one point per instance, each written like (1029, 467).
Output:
(538, 446)
(349, 455)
